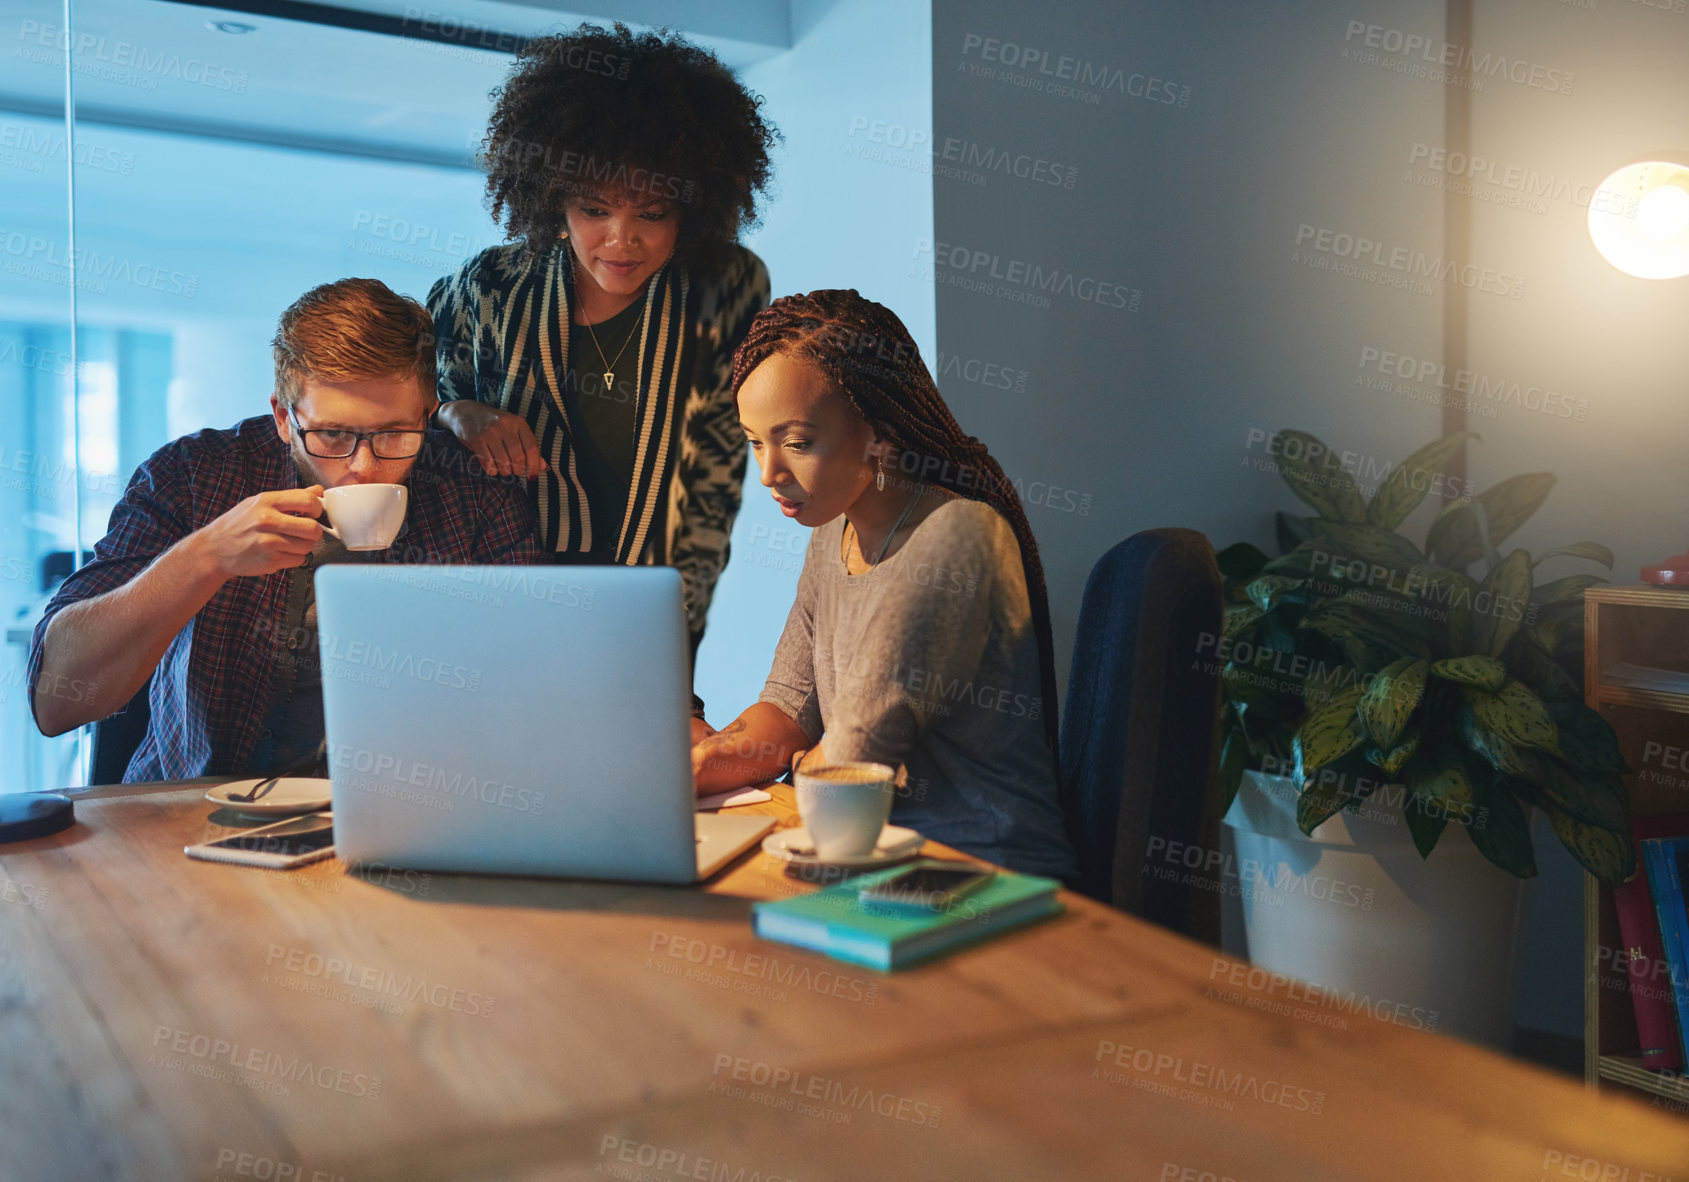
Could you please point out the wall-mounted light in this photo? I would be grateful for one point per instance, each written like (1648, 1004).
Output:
(235, 27)
(1639, 219)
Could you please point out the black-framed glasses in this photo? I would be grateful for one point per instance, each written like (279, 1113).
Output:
(337, 443)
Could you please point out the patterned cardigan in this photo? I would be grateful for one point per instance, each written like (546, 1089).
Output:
(503, 338)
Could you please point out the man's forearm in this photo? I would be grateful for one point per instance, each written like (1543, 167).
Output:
(105, 648)
(754, 747)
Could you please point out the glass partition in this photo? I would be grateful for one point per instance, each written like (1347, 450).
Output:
(42, 487)
(224, 160)
(222, 164)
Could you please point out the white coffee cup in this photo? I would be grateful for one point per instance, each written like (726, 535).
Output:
(844, 806)
(365, 516)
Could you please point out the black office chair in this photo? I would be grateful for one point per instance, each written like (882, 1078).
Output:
(1138, 730)
(117, 737)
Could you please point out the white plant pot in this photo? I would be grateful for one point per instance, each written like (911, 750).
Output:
(1356, 911)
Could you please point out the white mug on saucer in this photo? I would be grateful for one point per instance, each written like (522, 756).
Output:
(844, 806)
(365, 516)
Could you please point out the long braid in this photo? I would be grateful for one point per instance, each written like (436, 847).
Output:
(875, 363)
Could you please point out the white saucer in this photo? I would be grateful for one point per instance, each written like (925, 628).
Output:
(895, 845)
(291, 794)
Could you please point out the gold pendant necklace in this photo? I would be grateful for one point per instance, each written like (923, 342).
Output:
(609, 370)
(609, 366)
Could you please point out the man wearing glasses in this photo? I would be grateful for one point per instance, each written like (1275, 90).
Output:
(203, 581)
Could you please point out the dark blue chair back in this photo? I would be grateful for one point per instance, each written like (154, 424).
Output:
(117, 737)
(1138, 730)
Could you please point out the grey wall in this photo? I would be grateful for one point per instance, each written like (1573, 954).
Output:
(1286, 130)
(1157, 414)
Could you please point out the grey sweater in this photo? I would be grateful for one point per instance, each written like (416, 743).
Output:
(929, 660)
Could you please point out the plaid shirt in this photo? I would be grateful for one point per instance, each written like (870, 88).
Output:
(212, 690)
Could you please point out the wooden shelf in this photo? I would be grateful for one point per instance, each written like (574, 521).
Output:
(1628, 1069)
(1624, 695)
(1640, 595)
(1632, 634)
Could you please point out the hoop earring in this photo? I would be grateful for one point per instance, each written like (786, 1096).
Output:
(880, 473)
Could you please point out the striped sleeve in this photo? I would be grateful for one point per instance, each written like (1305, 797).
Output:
(713, 452)
(452, 303)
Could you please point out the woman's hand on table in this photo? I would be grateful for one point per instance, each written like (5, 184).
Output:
(754, 747)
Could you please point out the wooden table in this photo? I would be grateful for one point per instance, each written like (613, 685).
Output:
(162, 1018)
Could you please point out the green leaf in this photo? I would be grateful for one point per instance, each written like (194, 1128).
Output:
(1499, 606)
(1234, 758)
(1426, 827)
(1391, 700)
(1454, 538)
(1245, 684)
(1593, 551)
(1328, 732)
(1367, 642)
(1321, 482)
(1276, 635)
(1534, 667)
(1317, 804)
(1326, 680)
(1344, 783)
(1511, 503)
(1586, 740)
(1240, 561)
(1239, 619)
(1515, 715)
(1495, 750)
(1267, 591)
(1549, 637)
(1609, 856)
(1298, 562)
(1451, 590)
(1485, 673)
(1398, 613)
(1595, 798)
(1569, 587)
(1395, 617)
(1374, 546)
(1502, 832)
(1444, 787)
(1390, 762)
(1406, 487)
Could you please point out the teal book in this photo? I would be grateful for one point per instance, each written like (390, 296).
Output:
(1666, 860)
(834, 921)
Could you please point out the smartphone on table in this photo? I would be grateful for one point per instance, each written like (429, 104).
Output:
(282, 846)
(932, 884)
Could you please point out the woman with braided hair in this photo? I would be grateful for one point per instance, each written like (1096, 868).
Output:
(921, 631)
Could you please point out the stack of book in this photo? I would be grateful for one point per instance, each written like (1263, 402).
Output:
(1654, 925)
(835, 921)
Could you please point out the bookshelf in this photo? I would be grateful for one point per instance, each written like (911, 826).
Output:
(1636, 675)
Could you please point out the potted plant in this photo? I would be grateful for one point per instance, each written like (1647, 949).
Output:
(1376, 693)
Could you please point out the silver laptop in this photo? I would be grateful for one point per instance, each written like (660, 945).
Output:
(515, 720)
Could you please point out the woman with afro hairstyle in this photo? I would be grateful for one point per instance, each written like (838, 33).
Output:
(920, 635)
(591, 356)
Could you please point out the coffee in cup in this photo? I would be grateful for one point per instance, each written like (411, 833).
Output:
(844, 806)
(365, 516)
